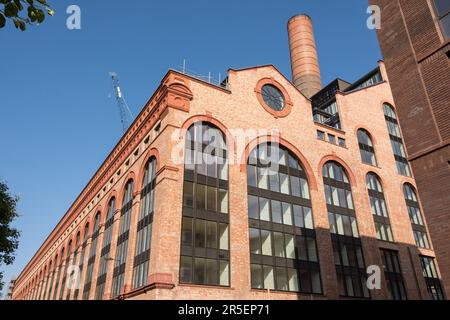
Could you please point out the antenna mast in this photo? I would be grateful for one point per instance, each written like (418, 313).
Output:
(121, 103)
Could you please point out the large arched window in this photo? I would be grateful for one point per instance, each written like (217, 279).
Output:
(205, 256)
(347, 247)
(366, 147)
(81, 263)
(415, 216)
(58, 276)
(396, 141)
(66, 267)
(92, 256)
(122, 240)
(378, 207)
(144, 226)
(74, 260)
(106, 249)
(283, 246)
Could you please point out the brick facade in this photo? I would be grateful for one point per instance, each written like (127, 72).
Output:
(417, 54)
(182, 100)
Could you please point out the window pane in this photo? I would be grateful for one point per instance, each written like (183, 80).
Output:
(188, 194)
(279, 244)
(292, 279)
(276, 212)
(295, 186)
(200, 226)
(266, 239)
(212, 272)
(253, 211)
(251, 176)
(298, 217)
(264, 209)
(308, 218)
(290, 247)
(287, 213)
(223, 201)
(199, 270)
(256, 271)
(211, 235)
(211, 199)
(255, 244)
(312, 252)
(262, 178)
(305, 189)
(268, 277)
(223, 236)
(282, 283)
(200, 197)
(274, 181)
(186, 269)
(284, 182)
(224, 273)
(186, 233)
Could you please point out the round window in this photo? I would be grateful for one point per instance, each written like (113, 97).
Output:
(273, 97)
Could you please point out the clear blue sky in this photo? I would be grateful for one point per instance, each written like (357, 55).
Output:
(57, 121)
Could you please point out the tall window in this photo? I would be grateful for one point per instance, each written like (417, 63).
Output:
(432, 278)
(92, 256)
(61, 259)
(66, 267)
(144, 227)
(442, 8)
(44, 284)
(415, 216)
(122, 241)
(106, 248)
(283, 250)
(366, 147)
(396, 141)
(393, 274)
(205, 256)
(51, 275)
(75, 255)
(379, 209)
(347, 248)
(81, 263)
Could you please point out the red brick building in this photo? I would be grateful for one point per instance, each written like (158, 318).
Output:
(247, 189)
(414, 38)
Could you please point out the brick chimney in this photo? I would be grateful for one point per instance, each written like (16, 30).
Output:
(304, 61)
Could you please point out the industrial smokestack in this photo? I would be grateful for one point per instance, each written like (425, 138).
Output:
(304, 61)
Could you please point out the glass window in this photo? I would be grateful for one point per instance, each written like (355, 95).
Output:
(431, 278)
(205, 224)
(415, 216)
(273, 97)
(320, 135)
(393, 275)
(366, 147)
(274, 207)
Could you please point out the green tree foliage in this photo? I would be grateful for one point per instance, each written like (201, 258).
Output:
(23, 12)
(9, 237)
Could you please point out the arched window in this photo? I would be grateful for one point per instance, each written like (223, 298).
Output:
(50, 281)
(74, 260)
(283, 246)
(415, 216)
(43, 284)
(106, 249)
(366, 148)
(81, 263)
(396, 141)
(122, 240)
(347, 247)
(379, 209)
(39, 286)
(58, 276)
(205, 256)
(144, 227)
(92, 256)
(66, 267)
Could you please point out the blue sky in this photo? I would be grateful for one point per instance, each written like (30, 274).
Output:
(58, 122)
